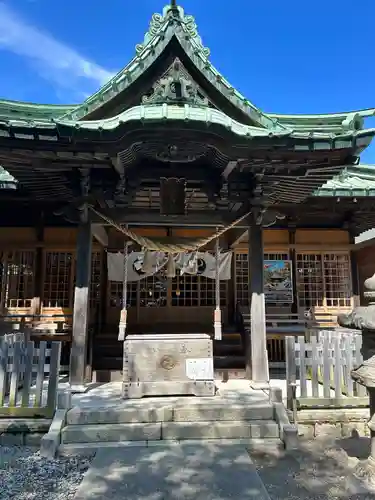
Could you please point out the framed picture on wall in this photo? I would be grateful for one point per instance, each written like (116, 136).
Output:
(278, 283)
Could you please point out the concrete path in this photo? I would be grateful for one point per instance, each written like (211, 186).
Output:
(200, 472)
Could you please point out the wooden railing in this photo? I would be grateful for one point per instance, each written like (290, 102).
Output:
(36, 323)
(28, 377)
(318, 372)
(280, 325)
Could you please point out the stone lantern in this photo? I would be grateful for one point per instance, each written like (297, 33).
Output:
(363, 319)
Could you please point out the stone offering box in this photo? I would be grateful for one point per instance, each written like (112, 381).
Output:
(168, 365)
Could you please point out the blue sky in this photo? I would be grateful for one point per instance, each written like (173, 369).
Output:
(285, 56)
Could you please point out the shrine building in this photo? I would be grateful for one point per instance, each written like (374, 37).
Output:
(247, 219)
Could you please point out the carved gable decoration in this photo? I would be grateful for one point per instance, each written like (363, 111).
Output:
(176, 87)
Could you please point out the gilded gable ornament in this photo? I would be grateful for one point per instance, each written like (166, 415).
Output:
(176, 87)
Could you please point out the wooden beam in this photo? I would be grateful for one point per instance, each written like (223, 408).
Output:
(241, 236)
(99, 232)
(229, 169)
(139, 217)
(117, 164)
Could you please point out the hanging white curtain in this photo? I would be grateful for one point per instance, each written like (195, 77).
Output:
(196, 263)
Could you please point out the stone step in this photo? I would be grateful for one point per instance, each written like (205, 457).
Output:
(271, 445)
(254, 429)
(139, 412)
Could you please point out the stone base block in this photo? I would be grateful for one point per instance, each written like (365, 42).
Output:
(110, 433)
(118, 415)
(51, 441)
(220, 430)
(166, 365)
(222, 412)
(137, 390)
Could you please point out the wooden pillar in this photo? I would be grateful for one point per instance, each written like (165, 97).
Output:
(78, 355)
(292, 257)
(103, 290)
(39, 268)
(259, 355)
(355, 275)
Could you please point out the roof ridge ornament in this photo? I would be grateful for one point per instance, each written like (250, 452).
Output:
(173, 13)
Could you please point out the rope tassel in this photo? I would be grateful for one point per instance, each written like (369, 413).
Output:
(217, 324)
(124, 313)
(217, 312)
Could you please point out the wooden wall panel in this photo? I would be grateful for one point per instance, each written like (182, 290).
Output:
(322, 237)
(60, 236)
(276, 236)
(275, 240)
(22, 235)
(192, 233)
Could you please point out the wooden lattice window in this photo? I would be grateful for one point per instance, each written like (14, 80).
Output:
(196, 291)
(242, 279)
(153, 291)
(310, 285)
(115, 294)
(323, 280)
(58, 279)
(19, 278)
(337, 279)
(276, 256)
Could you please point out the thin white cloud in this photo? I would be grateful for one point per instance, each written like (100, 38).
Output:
(53, 60)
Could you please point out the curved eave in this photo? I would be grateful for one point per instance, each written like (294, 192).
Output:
(364, 113)
(324, 192)
(196, 116)
(331, 122)
(147, 57)
(20, 109)
(8, 185)
(7, 181)
(354, 182)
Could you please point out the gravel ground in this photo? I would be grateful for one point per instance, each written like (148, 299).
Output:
(318, 470)
(25, 475)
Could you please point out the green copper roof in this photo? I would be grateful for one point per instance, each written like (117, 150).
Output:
(104, 129)
(357, 180)
(173, 25)
(27, 110)
(334, 122)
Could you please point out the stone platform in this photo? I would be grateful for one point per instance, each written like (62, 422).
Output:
(101, 417)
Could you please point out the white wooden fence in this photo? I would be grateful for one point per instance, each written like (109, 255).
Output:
(318, 371)
(28, 377)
